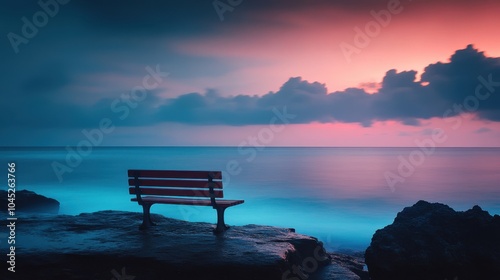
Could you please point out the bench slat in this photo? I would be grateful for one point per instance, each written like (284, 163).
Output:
(175, 183)
(175, 174)
(185, 201)
(176, 192)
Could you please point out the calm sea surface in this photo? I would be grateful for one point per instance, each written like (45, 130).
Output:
(340, 195)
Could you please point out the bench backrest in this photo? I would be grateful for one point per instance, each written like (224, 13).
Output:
(175, 183)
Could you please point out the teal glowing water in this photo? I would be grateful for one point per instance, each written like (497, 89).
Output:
(339, 195)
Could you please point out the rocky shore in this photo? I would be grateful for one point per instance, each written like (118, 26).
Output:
(109, 245)
(426, 241)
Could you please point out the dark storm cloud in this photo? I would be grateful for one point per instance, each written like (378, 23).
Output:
(459, 80)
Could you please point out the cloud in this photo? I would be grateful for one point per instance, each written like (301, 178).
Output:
(451, 88)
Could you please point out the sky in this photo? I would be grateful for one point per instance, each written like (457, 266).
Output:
(378, 73)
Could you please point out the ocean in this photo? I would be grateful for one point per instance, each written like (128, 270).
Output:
(339, 195)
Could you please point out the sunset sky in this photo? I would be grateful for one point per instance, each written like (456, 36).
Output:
(233, 72)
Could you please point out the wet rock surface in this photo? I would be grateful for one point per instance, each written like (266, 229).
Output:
(344, 266)
(433, 241)
(109, 245)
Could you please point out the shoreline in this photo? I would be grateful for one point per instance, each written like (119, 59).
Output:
(93, 245)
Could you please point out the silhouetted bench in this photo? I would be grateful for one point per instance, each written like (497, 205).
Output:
(179, 187)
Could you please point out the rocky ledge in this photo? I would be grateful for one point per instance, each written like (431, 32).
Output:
(432, 241)
(27, 201)
(109, 245)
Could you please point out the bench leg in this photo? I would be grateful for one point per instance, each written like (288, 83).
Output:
(146, 217)
(221, 226)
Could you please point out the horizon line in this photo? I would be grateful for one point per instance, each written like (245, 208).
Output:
(229, 146)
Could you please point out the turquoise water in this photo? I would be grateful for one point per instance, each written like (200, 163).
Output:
(340, 195)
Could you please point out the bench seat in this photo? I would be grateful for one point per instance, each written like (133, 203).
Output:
(198, 188)
(187, 201)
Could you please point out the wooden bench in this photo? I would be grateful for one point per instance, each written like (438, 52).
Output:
(179, 187)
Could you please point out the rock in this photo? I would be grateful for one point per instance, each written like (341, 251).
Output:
(108, 244)
(30, 202)
(432, 241)
(343, 267)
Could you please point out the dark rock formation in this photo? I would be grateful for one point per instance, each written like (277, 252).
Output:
(30, 202)
(109, 245)
(432, 241)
